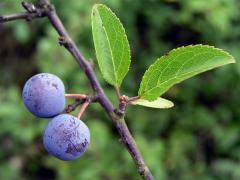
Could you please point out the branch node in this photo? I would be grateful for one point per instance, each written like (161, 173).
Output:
(46, 5)
(63, 41)
(118, 112)
(50, 7)
(29, 7)
(122, 105)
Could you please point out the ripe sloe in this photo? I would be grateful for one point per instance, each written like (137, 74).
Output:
(66, 137)
(43, 95)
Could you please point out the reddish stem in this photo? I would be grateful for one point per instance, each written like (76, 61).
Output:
(118, 93)
(76, 96)
(83, 109)
(132, 99)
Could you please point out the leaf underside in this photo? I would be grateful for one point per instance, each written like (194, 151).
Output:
(158, 103)
(178, 65)
(111, 45)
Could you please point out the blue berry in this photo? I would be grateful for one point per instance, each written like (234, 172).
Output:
(43, 95)
(66, 137)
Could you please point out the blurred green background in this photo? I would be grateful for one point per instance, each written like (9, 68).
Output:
(197, 139)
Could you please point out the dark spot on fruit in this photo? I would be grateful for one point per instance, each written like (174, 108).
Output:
(37, 105)
(75, 149)
(84, 144)
(61, 125)
(55, 85)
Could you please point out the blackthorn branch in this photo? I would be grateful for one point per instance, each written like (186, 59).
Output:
(31, 13)
(46, 9)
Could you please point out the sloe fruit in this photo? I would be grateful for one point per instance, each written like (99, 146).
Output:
(66, 137)
(43, 95)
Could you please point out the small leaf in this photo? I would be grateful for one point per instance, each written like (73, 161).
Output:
(158, 103)
(111, 45)
(178, 65)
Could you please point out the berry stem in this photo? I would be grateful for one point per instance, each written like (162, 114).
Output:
(118, 93)
(83, 109)
(132, 99)
(76, 96)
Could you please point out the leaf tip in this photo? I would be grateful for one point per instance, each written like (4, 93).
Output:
(95, 8)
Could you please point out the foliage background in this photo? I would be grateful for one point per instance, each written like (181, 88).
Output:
(197, 139)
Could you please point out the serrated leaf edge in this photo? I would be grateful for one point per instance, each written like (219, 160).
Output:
(95, 9)
(179, 48)
(118, 82)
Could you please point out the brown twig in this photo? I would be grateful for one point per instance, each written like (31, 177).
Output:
(31, 13)
(48, 10)
(72, 107)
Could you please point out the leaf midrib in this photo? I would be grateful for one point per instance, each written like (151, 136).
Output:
(109, 45)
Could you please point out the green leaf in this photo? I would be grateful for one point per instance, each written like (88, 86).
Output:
(178, 65)
(111, 45)
(158, 103)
